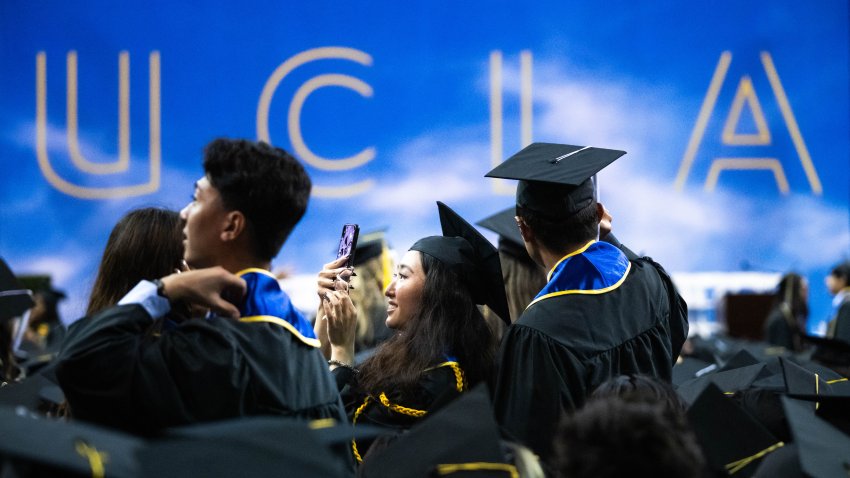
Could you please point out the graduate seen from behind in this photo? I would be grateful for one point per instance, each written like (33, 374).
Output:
(603, 312)
(211, 367)
(441, 345)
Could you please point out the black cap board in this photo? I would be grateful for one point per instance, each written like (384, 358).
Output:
(555, 180)
(72, 447)
(255, 446)
(823, 449)
(729, 381)
(472, 257)
(14, 299)
(464, 432)
(369, 246)
(732, 440)
(830, 351)
(503, 224)
(510, 240)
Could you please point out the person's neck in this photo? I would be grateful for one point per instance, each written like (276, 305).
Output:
(239, 262)
(551, 258)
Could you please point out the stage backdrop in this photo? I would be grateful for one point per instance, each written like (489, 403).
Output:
(734, 115)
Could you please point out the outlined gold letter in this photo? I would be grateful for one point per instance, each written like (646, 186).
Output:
(745, 94)
(501, 186)
(297, 103)
(123, 161)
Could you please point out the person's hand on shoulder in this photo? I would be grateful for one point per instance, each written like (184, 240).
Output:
(214, 287)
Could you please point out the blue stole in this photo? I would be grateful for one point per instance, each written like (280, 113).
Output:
(265, 302)
(596, 268)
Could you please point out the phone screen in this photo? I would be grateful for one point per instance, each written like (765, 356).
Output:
(348, 242)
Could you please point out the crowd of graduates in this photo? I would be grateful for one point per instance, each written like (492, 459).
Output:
(556, 352)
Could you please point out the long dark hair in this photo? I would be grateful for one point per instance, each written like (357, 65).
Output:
(145, 244)
(448, 323)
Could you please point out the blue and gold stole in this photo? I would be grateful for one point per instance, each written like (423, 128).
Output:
(265, 302)
(596, 268)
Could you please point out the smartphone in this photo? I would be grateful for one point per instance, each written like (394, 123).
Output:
(347, 243)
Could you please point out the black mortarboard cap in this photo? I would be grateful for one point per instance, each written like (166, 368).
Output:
(742, 358)
(253, 446)
(69, 447)
(369, 246)
(14, 299)
(510, 240)
(732, 440)
(823, 449)
(830, 351)
(35, 392)
(729, 381)
(464, 250)
(555, 180)
(504, 224)
(462, 432)
(682, 372)
(782, 463)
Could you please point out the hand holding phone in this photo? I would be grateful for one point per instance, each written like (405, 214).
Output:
(348, 243)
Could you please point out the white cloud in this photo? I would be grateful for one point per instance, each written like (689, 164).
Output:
(690, 229)
(430, 168)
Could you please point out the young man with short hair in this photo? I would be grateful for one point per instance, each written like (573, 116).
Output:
(266, 362)
(603, 312)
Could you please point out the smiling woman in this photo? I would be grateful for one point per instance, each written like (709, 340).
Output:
(442, 345)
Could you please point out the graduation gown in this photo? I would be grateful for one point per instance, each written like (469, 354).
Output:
(114, 373)
(839, 326)
(397, 412)
(780, 329)
(600, 315)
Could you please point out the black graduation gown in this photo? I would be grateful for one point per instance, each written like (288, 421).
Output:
(437, 387)
(115, 374)
(839, 327)
(779, 330)
(563, 347)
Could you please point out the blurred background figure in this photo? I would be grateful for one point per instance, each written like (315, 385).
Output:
(46, 330)
(145, 244)
(838, 283)
(786, 322)
(523, 278)
(374, 264)
(15, 303)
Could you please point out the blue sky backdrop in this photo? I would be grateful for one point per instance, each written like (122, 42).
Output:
(622, 74)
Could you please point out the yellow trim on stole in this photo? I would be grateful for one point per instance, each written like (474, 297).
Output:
(257, 270)
(586, 292)
(286, 325)
(455, 467)
(571, 254)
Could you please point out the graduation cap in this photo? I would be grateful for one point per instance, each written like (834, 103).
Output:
(732, 440)
(742, 358)
(687, 369)
(36, 392)
(369, 246)
(67, 447)
(374, 245)
(729, 381)
(461, 438)
(254, 446)
(510, 240)
(472, 257)
(555, 180)
(830, 351)
(14, 299)
(823, 449)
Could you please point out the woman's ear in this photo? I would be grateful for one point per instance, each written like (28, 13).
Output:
(234, 225)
